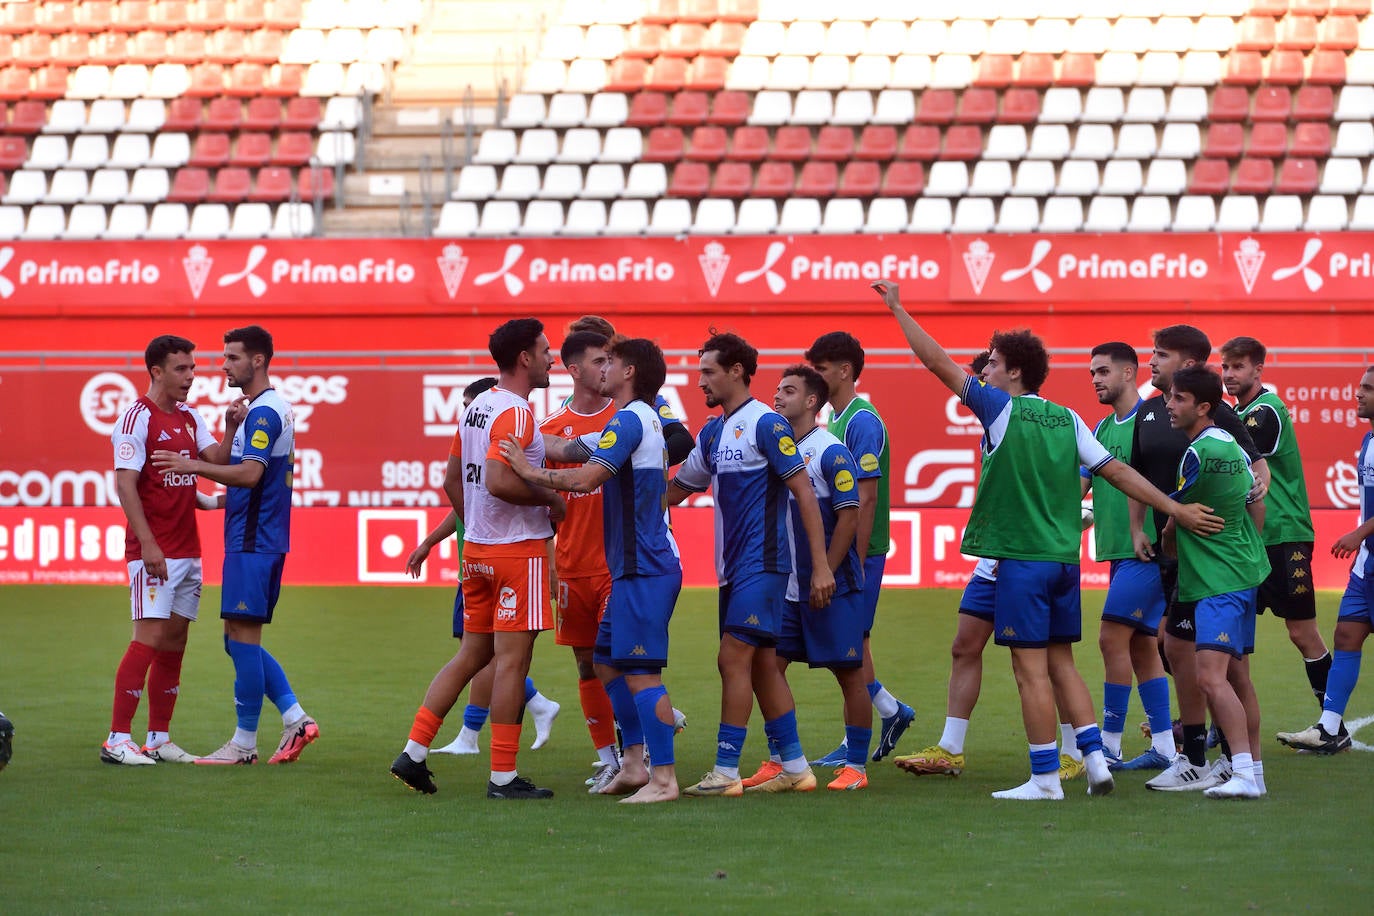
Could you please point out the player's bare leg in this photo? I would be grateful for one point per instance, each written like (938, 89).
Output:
(661, 785)
(474, 663)
(735, 661)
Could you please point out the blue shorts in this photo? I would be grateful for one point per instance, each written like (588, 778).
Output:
(633, 633)
(458, 613)
(1135, 596)
(1037, 604)
(1357, 604)
(252, 584)
(873, 589)
(751, 609)
(828, 637)
(1226, 622)
(980, 598)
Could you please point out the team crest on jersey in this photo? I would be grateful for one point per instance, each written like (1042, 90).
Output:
(607, 439)
(844, 481)
(739, 430)
(787, 446)
(869, 462)
(259, 439)
(567, 432)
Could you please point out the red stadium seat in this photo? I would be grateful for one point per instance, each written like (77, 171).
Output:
(94, 16)
(18, 18)
(186, 47)
(684, 39)
(226, 46)
(148, 48)
(315, 183)
(1311, 139)
(646, 41)
(264, 46)
(1326, 68)
(1224, 141)
(1210, 176)
(860, 179)
(1339, 33)
(223, 114)
(792, 144)
(1230, 103)
(132, 15)
(698, 10)
(627, 75)
(32, 50)
(877, 142)
(183, 115)
(977, 106)
(963, 142)
(1314, 103)
(1298, 33)
(247, 14)
(1077, 69)
(189, 186)
(818, 179)
(749, 144)
(936, 107)
(246, 80)
(1268, 7)
(723, 39)
(207, 80)
(302, 113)
(168, 15)
(739, 10)
(1298, 176)
(283, 15)
(231, 186)
(1256, 33)
(1036, 70)
(1350, 7)
(72, 49)
(921, 141)
(49, 83)
(293, 148)
(707, 145)
(776, 180)
(273, 185)
(1020, 106)
(27, 116)
(208, 15)
(668, 74)
(264, 113)
(904, 179)
(994, 70)
(663, 145)
(110, 49)
(1272, 103)
(14, 84)
(689, 109)
(252, 149)
(1286, 68)
(707, 73)
(56, 17)
(1268, 140)
(647, 109)
(1243, 68)
(1254, 176)
(284, 80)
(211, 151)
(664, 12)
(732, 179)
(729, 108)
(13, 153)
(834, 144)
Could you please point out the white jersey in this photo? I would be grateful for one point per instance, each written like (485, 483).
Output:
(493, 415)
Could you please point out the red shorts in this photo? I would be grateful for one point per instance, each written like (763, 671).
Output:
(581, 603)
(505, 588)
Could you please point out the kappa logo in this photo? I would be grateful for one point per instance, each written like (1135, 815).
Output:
(1042, 281)
(638, 650)
(452, 265)
(1300, 590)
(1309, 276)
(752, 620)
(1299, 574)
(713, 261)
(256, 285)
(1223, 638)
(6, 284)
(1249, 256)
(775, 281)
(514, 285)
(1008, 633)
(852, 653)
(1138, 614)
(1184, 625)
(1150, 415)
(1297, 557)
(240, 606)
(978, 261)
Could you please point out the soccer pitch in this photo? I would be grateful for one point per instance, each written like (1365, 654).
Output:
(334, 832)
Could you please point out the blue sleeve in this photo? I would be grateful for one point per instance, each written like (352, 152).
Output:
(985, 401)
(864, 437)
(837, 464)
(1188, 470)
(779, 447)
(695, 473)
(261, 427)
(618, 441)
(665, 412)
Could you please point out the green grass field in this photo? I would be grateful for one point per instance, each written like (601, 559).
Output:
(335, 832)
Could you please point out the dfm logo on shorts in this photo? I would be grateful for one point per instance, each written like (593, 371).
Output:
(955, 475)
(506, 603)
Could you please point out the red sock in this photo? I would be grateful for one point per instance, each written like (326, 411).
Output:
(426, 726)
(164, 682)
(129, 679)
(505, 744)
(596, 707)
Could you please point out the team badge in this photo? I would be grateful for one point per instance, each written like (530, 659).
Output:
(787, 446)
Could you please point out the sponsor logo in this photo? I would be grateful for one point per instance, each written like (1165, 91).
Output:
(787, 446)
(1042, 280)
(61, 488)
(241, 606)
(869, 462)
(1223, 638)
(1184, 625)
(110, 272)
(1309, 276)
(608, 439)
(666, 412)
(198, 265)
(103, 400)
(173, 479)
(6, 284)
(713, 261)
(1249, 257)
(1008, 632)
(1150, 415)
(163, 437)
(1300, 589)
(726, 746)
(962, 422)
(568, 271)
(844, 481)
(262, 421)
(1138, 614)
(956, 473)
(1297, 557)
(776, 284)
(126, 451)
(752, 620)
(452, 265)
(638, 650)
(507, 598)
(978, 261)
(1299, 574)
(852, 653)
(259, 439)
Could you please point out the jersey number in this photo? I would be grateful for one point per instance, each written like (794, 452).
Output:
(474, 474)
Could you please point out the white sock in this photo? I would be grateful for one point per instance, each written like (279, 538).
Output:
(1258, 770)
(118, 737)
(292, 715)
(245, 739)
(956, 730)
(1046, 780)
(605, 754)
(775, 758)
(417, 751)
(794, 766)
(727, 772)
(157, 739)
(1068, 741)
(1111, 742)
(537, 700)
(504, 777)
(1163, 743)
(468, 734)
(1243, 766)
(885, 703)
(1331, 721)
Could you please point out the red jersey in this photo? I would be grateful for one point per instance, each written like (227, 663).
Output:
(581, 545)
(169, 499)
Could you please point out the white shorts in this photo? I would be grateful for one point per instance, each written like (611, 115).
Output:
(158, 599)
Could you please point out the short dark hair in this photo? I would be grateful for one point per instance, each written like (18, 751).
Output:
(1022, 350)
(594, 323)
(1184, 339)
(513, 338)
(812, 380)
(577, 343)
(1244, 348)
(479, 386)
(731, 349)
(980, 362)
(1118, 352)
(837, 347)
(254, 338)
(163, 346)
(1202, 383)
(651, 370)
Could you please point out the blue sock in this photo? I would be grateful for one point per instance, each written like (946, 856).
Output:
(626, 712)
(1088, 738)
(785, 729)
(1340, 683)
(658, 735)
(275, 684)
(248, 682)
(474, 717)
(1154, 696)
(873, 689)
(856, 741)
(1116, 700)
(729, 744)
(530, 691)
(1045, 759)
